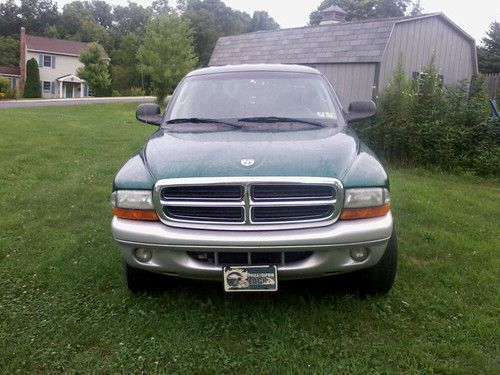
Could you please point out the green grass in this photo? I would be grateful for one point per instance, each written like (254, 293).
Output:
(64, 307)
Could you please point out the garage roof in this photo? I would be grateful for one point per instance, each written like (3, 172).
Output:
(348, 42)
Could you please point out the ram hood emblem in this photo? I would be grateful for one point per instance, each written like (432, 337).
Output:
(247, 162)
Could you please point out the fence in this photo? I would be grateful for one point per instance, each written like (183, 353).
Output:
(492, 84)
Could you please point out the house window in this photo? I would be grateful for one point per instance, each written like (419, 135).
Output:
(46, 87)
(13, 83)
(47, 61)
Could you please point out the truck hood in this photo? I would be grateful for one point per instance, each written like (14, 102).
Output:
(327, 152)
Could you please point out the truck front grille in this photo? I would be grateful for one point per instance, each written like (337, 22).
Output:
(216, 214)
(290, 213)
(250, 258)
(248, 201)
(292, 192)
(204, 192)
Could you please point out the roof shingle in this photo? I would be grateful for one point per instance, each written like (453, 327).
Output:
(61, 46)
(9, 70)
(358, 42)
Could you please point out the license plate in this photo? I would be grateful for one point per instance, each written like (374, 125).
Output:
(250, 279)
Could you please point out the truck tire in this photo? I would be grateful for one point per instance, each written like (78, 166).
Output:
(137, 280)
(380, 278)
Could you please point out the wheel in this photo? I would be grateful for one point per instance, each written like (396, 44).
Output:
(380, 278)
(137, 280)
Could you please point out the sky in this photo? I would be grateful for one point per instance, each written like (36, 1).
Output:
(473, 17)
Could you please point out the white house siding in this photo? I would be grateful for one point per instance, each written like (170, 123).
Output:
(64, 65)
(416, 41)
(351, 82)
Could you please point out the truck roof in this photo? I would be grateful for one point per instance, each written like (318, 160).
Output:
(254, 68)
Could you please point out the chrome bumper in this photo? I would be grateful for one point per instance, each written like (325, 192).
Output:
(331, 246)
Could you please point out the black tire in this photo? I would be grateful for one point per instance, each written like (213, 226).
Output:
(137, 280)
(379, 279)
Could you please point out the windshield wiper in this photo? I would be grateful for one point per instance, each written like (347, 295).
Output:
(274, 119)
(198, 120)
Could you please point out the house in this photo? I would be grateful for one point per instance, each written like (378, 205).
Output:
(12, 73)
(57, 63)
(359, 57)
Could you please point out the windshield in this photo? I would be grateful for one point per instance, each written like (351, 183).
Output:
(254, 95)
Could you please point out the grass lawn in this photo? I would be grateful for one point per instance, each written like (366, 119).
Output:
(64, 307)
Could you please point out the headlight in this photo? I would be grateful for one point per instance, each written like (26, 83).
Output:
(366, 197)
(133, 204)
(136, 199)
(364, 203)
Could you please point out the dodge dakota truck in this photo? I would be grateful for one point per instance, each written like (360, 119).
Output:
(253, 176)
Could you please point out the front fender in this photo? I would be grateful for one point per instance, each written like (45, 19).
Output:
(134, 175)
(366, 170)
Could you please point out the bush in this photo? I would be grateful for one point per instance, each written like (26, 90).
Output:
(136, 91)
(4, 84)
(425, 123)
(32, 87)
(12, 93)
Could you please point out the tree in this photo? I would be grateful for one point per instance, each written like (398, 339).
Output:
(167, 53)
(10, 22)
(211, 19)
(129, 18)
(78, 23)
(32, 87)
(161, 7)
(95, 70)
(101, 11)
(492, 39)
(368, 9)
(124, 68)
(489, 54)
(37, 14)
(9, 51)
(261, 20)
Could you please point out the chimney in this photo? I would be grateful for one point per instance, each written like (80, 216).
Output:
(22, 59)
(333, 15)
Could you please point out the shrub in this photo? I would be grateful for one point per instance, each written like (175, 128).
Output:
(32, 87)
(430, 103)
(136, 91)
(425, 123)
(12, 93)
(4, 84)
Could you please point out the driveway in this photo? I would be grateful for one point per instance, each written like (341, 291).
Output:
(74, 101)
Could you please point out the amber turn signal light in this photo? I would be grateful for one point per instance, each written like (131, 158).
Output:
(365, 213)
(126, 213)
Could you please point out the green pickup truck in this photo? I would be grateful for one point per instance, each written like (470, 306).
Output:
(254, 176)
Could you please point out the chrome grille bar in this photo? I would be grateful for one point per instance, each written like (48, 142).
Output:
(247, 202)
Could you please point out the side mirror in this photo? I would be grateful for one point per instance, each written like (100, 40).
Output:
(359, 111)
(149, 114)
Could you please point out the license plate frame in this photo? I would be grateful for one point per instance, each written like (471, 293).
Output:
(250, 278)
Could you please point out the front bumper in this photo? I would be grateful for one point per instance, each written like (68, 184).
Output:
(331, 246)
